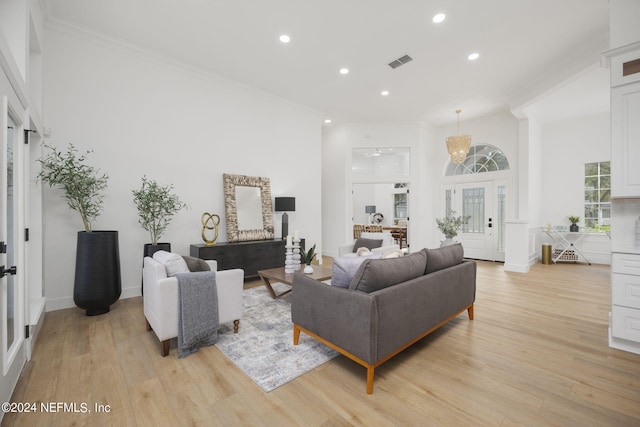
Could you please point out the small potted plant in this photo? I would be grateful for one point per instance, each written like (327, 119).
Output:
(97, 282)
(307, 258)
(156, 207)
(574, 223)
(450, 225)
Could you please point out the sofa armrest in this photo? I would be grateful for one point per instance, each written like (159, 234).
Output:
(341, 316)
(213, 264)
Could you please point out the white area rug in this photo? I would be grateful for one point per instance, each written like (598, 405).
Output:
(263, 347)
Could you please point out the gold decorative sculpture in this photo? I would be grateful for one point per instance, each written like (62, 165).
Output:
(210, 222)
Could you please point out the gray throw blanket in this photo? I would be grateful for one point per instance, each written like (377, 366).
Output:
(197, 311)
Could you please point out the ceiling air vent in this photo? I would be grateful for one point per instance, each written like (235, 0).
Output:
(400, 61)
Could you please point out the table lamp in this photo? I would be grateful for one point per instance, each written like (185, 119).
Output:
(285, 204)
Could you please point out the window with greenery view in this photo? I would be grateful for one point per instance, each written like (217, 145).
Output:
(597, 196)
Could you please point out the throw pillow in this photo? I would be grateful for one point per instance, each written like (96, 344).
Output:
(387, 238)
(363, 251)
(196, 264)
(376, 274)
(345, 267)
(173, 263)
(366, 243)
(440, 258)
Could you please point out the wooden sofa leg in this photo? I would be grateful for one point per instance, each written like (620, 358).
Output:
(164, 347)
(470, 311)
(370, 370)
(236, 325)
(149, 328)
(296, 335)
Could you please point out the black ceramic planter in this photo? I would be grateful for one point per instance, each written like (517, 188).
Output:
(574, 228)
(97, 281)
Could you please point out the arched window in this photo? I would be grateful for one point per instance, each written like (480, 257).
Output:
(481, 158)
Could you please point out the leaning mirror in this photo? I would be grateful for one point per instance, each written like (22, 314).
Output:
(247, 202)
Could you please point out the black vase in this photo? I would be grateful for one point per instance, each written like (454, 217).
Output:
(574, 228)
(97, 282)
(149, 250)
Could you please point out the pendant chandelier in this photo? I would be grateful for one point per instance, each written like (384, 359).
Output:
(458, 146)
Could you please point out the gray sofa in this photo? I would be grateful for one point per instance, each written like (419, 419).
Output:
(390, 304)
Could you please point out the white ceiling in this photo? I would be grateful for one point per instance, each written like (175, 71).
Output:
(525, 47)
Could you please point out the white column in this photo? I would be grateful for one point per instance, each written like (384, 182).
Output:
(516, 251)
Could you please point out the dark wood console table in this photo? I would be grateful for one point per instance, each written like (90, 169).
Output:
(250, 256)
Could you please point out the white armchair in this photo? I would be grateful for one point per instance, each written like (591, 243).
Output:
(388, 243)
(161, 299)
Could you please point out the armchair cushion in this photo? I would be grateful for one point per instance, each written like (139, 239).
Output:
(173, 263)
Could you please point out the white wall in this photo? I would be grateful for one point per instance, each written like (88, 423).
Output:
(145, 116)
(567, 145)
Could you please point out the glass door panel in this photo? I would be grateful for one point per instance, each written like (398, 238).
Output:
(10, 248)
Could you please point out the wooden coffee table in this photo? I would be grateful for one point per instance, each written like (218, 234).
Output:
(275, 275)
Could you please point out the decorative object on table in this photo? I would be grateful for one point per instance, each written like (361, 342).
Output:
(288, 256)
(284, 205)
(307, 258)
(370, 210)
(210, 222)
(458, 145)
(296, 251)
(450, 225)
(574, 223)
(248, 208)
(97, 283)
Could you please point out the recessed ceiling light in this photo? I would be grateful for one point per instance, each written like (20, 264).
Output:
(344, 71)
(473, 56)
(327, 121)
(284, 38)
(384, 93)
(438, 18)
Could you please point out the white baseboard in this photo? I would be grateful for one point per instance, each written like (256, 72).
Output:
(62, 303)
(518, 268)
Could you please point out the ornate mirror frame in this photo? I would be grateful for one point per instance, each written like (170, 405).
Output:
(230, 204)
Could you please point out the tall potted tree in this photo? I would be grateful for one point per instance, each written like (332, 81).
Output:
(97, 282)
(157, 204)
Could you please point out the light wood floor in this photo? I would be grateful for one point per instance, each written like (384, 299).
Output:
(535, 355)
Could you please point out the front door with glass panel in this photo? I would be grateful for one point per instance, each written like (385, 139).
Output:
(13, 356)
(484, 203)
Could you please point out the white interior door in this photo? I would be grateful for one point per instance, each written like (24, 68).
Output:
(12, 308)
(485, 204)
